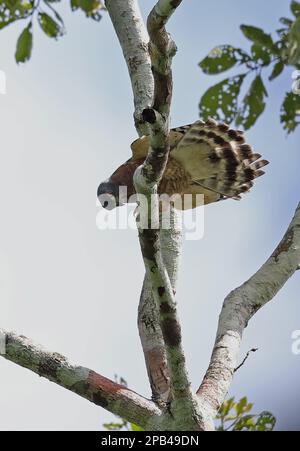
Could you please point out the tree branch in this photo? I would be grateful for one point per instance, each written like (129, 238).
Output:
(130, 29)
(151, 77)
(84, 382)
(240, 306)
(148, 320)
(162, 50)
(129, 26)
(133, 38)
(146, 179)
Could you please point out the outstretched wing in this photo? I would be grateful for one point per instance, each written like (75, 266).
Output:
(218, 158)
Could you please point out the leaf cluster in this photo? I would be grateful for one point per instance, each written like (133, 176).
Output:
(45, 13)
(237, 416)
(267, 54)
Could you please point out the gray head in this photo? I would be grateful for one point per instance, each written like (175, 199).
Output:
(108, 195)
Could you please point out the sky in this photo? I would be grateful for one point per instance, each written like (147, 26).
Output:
(66, 124)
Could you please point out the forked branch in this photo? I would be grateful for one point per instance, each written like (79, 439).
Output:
(161, 252)
(147, 178)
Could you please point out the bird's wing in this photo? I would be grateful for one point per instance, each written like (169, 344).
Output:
(217, 158)
(140, 146)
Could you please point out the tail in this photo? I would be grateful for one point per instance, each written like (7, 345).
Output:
(226, 163)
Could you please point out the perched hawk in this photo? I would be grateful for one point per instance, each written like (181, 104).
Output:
(205, 158)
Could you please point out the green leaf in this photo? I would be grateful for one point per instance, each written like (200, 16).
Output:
(290, 112)
(241, 405)
(266, 422)
(13, 10)
(286, 21)
(222, 58)
(295, 8)
(242, 420)
(90, 7)
(58, 16)
(253, 104)
(24, 45)
(11, 4)
(50, 27)
(221, 100)
(247, 423)
(257, 35)
(113, 426)
(277, 70)
(4, 23)
(226, 408)
(134, 427)
(261, 54)
(294, 43)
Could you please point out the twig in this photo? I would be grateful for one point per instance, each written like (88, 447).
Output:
(245, 359)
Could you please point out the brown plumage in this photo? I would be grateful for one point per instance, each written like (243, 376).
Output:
(205, 158)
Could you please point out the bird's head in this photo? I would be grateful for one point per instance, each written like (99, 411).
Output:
(108, 195)
(116, 191)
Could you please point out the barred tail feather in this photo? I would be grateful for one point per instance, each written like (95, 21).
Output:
(220, 155)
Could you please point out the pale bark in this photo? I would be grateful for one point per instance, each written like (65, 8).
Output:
(84, 382)
(129, 27)
(148, 321)
(134, 40)
(162, 49)
(240, 306)
(133, 37)
(158, 321)
(146, 179)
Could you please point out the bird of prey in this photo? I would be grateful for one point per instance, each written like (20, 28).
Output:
(207, 158)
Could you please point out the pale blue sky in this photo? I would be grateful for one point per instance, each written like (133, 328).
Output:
(66, 124)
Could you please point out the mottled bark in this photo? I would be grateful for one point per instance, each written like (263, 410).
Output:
(240, 306)
(134, 40)
(146, 179)
(129, 27)
(158, 321)
(84, 382)
(148, 321)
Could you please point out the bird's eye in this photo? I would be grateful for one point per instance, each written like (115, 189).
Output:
(108, 201)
